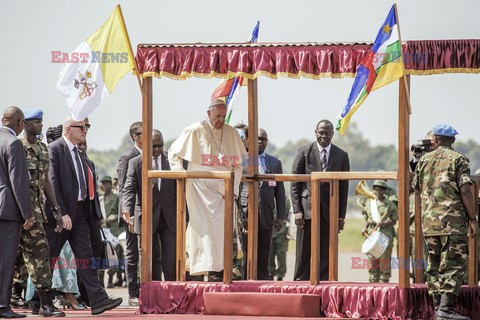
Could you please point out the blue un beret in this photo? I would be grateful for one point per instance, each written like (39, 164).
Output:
(31, 114)
(444, 130)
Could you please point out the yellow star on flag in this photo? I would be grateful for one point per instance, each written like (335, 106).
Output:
(387, 28)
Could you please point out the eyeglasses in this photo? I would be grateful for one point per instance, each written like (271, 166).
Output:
(157, 146)
(88, 125)
(138, 133)
(83, 128)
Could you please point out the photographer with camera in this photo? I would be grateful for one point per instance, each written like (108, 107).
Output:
(443, 179)
(421, 147)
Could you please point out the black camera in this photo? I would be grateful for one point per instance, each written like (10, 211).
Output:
(421, 147)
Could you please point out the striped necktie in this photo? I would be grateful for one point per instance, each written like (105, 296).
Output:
(324, 160)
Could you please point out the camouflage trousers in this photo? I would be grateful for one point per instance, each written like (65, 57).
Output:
(278, 249)
(447, 263)
(33, 256)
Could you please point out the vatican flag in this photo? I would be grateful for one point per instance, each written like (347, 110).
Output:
(93, 69)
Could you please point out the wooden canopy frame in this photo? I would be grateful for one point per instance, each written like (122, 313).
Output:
(252, 179)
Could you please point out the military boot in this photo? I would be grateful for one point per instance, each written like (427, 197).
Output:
(17, 300)
(47, 309)
(446, 310)
(436, 302)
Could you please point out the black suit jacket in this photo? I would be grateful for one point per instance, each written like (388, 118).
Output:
(15, 202)
(164, 201)
(122, 168)
(63, 178)
(308, 161)
(271, 196)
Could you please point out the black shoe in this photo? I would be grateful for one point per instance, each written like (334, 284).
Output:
(447, 310)
(107, 304)
(50, 311)
(7, 313)
(110, 285)
(279, 278)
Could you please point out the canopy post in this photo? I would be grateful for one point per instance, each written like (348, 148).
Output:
(147, 115)
(403, 183)
(252, 186)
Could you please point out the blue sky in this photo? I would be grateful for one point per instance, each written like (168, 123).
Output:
(288, 108)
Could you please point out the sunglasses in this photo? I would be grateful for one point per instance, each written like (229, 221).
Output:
(157, 146)
(83, 128)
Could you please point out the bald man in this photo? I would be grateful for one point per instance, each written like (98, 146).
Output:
(16, 208)
(69, 178)
(164, 208)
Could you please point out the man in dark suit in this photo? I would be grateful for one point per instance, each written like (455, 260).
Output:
(321, 155)
(271, 196)
(69, 176)
(16, 208)
(164, 207)
(131, 252)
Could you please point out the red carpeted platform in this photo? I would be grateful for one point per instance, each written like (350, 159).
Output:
(337, 299)
(262, 304)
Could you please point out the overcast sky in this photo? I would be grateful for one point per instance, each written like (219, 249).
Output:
(288, 108)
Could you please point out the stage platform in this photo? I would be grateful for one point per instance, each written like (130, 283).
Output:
(337, 299)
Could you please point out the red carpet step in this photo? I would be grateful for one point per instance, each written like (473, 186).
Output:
(262, 304)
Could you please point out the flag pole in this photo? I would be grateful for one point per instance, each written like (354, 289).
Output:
(404, 77)
(130, 53)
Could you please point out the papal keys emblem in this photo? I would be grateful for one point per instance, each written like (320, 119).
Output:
(87, 87)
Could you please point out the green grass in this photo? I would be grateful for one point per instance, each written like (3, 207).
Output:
(349, 240)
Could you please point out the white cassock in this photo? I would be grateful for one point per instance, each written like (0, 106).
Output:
(205, 147)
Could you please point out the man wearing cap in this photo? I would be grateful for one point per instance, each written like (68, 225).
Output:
(33, 249)
(443, 179)
(109, 206)
(208, 145)
(381, 214)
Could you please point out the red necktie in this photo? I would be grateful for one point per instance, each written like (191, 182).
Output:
(91, 189)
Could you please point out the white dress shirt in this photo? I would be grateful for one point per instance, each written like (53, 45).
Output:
(320, 150)
(72, 153)
(159, 161)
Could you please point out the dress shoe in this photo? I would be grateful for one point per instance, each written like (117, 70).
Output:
(105, 305)
(133, 301)
(7, 313)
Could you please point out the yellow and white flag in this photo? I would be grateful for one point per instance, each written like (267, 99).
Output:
(95, 66)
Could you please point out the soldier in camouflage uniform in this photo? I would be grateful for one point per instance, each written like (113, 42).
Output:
(110, 201)
(33, 247)
(381, 269)
(443, 179)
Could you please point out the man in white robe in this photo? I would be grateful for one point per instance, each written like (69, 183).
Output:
(209, 145)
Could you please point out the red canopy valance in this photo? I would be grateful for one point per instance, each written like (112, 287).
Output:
(295, 60)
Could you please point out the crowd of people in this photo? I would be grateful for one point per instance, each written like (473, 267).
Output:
(52, 211)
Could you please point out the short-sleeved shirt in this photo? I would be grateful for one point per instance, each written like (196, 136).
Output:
(388, 212)
(37, 164)
(438, 177)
